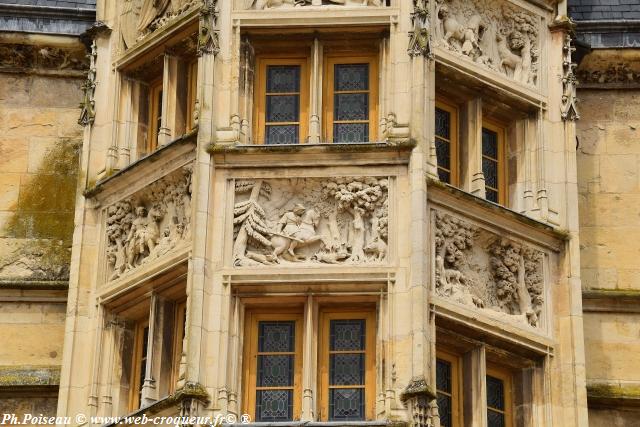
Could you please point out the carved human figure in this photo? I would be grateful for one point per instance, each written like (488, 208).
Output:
(143, 234)
(296, 227)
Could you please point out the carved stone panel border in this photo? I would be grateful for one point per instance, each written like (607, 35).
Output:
(295, 222)
(496, 274)
(149, 224)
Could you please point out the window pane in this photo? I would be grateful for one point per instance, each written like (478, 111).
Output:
(347, 335)
(351, 77)
(346, 404)
(443, 153)
(490, 171)
(489, 143)
(275, 370)
(276, 336)
(495, 419)
(492, 195)
(443, 123)
(283, 108)
(274, 405)
(443, 376)
(350, 132)
(287, 134)
(444, 176)
(495, 393)
(346, 369)
(351, 106)
(444, 409)
(283, 78)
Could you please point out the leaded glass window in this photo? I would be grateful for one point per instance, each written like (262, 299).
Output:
(444, 133)
(496, 416)
(351, 98)
(444, 389)
(282, 101)
(347, 340)
(491, 164)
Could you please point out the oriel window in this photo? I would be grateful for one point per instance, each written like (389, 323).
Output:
(493, 164)
(274, 364)
(446, 138)
(347, 366)
(282, 101)
(351, 99)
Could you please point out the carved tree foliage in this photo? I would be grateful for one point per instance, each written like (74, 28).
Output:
(306, 220)
(476, 267)
(497, 36)
(148, 224)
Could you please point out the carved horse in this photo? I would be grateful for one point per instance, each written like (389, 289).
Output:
(305, 235)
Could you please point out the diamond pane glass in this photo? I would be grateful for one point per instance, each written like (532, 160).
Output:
(351, 77)
(274, 405)
(276, 336)
(350, 132)
(283, 78)
(275, 370)
(443, 153)
(351, 106)
(492, 195)
(495, 393)
(444, 176)
(444, 409)
(489, 143)
(283, 108)
(286, 134)
(346, 369)
(490, 171)
(347, 335)
(495, 419)
(443, 123)
(443, 376)
(346, 404)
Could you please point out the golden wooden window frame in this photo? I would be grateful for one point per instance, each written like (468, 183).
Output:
(500, 130)
(138, 364)
(506, 377)
(349, 57)
(369, 386)
(192, 82)
(180, 318)
(260, 94)
(250, 359)
(456, 394)
(453, 140)
(155, 115)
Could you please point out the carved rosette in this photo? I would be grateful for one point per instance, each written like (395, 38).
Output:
(478, 268)
(338, 220)
(498, 36)
(149, 224)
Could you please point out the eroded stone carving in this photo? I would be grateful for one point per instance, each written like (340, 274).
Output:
(340, 220)
(87, 106)
(21, 57)
(476, 267)
(148, 224)
(420, 36)
(503, 38)
(612, 74)
(272, 4)
(569, 109)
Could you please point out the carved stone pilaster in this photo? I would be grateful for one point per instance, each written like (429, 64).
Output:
(208, 38)
(420, 36)
(87, 106)
(569, 110)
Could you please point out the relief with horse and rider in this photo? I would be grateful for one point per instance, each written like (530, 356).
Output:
(335, 220)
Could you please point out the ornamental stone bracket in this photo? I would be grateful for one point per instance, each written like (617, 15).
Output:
(498, 36)
(148, 225)
(493, 273)
(311, 221)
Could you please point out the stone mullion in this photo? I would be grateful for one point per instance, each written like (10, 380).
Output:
(315, 111)
(472, 175)
(169, 100)
(475, 387)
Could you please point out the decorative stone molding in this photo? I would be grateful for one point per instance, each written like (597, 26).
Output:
(420, 36)
(87, 106)
(29, 58)
(421, 403)
(148, 224)
(208, 38)
(476, 267)
(499, 36)
(620, 74)
(568, 109)
(341, 220)
(274, 4)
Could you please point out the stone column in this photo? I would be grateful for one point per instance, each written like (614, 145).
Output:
(169, 100)
(472, 178)
(475, 387)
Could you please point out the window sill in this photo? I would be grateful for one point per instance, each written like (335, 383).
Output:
(405, 145)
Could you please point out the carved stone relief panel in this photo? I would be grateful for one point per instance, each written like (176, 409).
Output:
(487, 271)
(495, 35)
(148, 224)
(338, 220)
(274, 4)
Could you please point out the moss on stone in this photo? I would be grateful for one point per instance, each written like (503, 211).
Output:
(613, 391)
(29, 375)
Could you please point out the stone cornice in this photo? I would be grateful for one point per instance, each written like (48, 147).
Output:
(34, 284)
(611, 301)
(46, 19)
(609, 394)
(13, 376)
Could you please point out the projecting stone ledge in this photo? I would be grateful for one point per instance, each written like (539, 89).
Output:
(11, 376)
(360, 147)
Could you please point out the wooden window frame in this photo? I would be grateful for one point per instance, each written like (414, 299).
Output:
(155, 105)
(252, 319)
(328, 89)
(506, 377)
(500, 131)
(192, 82)
(260, 94)
(453, 140)
(326, 316)
(136, 364)
(180, 318)
(457, 394)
